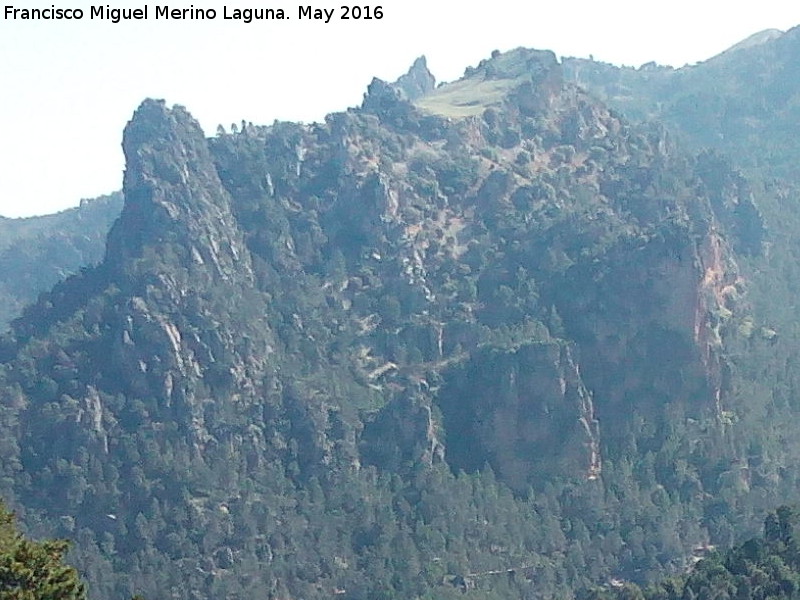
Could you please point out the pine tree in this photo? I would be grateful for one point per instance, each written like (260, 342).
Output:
(32, 570)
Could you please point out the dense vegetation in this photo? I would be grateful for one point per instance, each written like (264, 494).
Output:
(760, 568)
(743, 102)
(32, 570)
(38, 252)
(486, 340)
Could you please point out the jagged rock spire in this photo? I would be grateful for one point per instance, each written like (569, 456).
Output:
(418, 81)
(175, 205)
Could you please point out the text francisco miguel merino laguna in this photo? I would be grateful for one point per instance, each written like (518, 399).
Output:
(115, 15)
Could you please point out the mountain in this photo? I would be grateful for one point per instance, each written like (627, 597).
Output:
(37, 252)
(743, 102)
(488, 339)
(762, 37)
(740, 105)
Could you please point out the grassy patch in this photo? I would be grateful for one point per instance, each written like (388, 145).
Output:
(467, 97)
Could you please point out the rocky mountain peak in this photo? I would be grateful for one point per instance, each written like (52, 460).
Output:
(418, 81)
(524, 76)
(381, 96)
(517, 63)
(175, 206)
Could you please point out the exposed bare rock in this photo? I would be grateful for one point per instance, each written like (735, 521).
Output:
(418, 81)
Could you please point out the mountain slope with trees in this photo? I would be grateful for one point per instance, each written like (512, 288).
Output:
(760, 568)
(34, 570)
(38, 252)
(485, 340)
(743, 102)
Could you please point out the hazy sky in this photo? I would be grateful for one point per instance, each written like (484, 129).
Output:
(69, 87)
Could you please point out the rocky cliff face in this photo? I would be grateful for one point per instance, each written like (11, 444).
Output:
(523, 410)
(499, 271)
(176, 207)
(418, 82)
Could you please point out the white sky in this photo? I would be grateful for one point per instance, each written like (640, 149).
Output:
(67, 88)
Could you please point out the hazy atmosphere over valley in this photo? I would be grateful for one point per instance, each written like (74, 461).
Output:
(399, 301)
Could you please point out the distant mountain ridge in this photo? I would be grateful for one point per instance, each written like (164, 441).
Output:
(37, 252)
(743, 102)
(762, 37)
